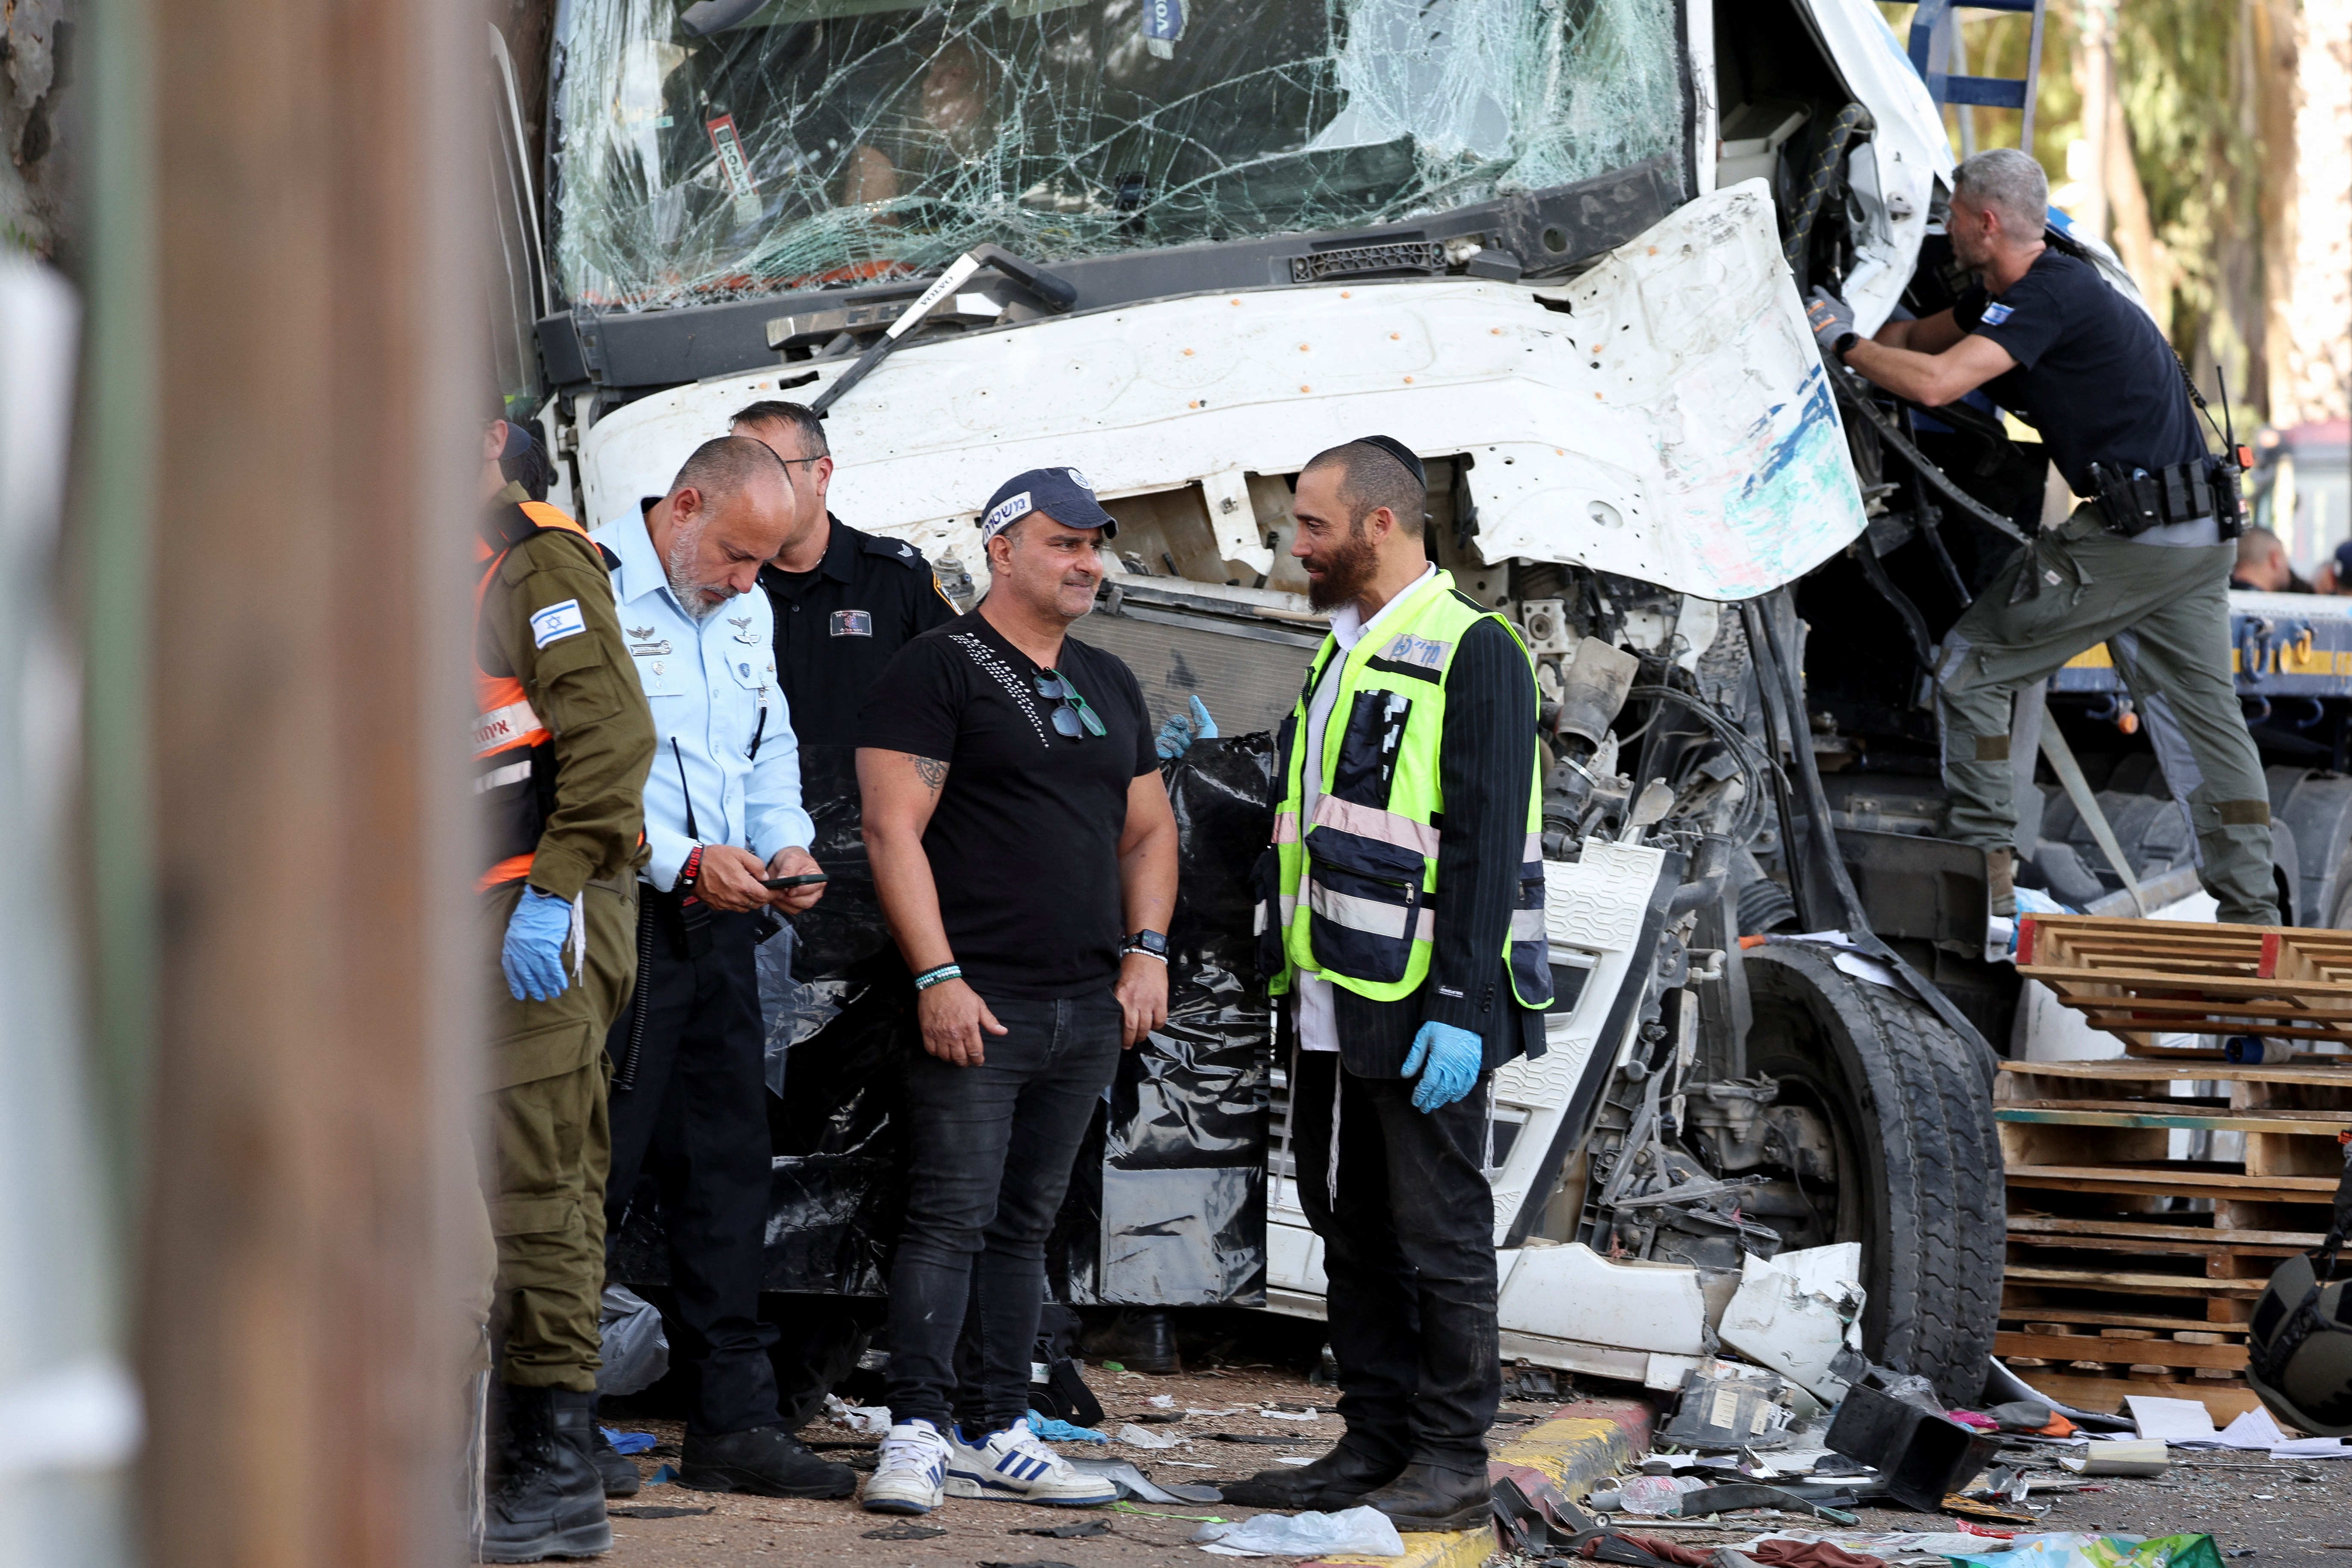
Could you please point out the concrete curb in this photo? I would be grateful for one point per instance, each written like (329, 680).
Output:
(1573, 1449)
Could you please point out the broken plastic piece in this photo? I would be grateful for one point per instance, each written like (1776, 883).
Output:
(1366, 1530)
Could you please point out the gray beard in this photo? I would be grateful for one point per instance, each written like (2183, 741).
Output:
(677, 564)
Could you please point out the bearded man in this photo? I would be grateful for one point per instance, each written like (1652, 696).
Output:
(1402, 933)
(723, 819)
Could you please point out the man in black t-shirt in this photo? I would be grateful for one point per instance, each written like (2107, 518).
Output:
(2144, 568)
(1025, 856)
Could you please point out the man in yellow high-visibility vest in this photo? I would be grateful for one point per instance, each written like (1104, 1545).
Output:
(1402, 919)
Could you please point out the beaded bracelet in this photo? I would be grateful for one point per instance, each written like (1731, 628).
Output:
(940, 976)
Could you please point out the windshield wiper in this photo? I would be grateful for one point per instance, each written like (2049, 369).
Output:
(1057, 294)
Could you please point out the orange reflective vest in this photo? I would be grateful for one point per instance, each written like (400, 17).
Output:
(514, 754)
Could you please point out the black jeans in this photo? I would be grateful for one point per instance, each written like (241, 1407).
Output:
(991, 1147)
(1409, 1256)
(695, 1118)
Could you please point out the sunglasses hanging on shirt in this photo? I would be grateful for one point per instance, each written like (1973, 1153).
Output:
(1073, 718)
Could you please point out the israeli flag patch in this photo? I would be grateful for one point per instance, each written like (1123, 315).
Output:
(1424, 651)
(1994, 315)
(557, 622)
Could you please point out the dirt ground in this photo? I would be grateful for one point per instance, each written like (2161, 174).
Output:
(2292, 1514)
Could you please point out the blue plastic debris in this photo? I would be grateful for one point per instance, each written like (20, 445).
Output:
(627, 1442)
(662, 1476)
(1062, 1431)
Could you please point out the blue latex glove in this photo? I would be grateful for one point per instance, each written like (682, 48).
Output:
(532, 955)
(1177, 735)
(1830, 317)
(1448, 1059)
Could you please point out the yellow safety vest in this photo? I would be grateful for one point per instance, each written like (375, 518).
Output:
(1368, 918)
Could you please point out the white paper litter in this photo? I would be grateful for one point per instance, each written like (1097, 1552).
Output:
(1364, 1530)
(2254, 1429)
(2312, 1448)
(1144, 1437)
(1289, 1416)
(873, 1420)
(1236, 1410)
(1161, 1402)
(2181, 1423)
(1289, 1459)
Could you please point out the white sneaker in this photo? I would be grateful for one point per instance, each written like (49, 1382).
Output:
(907, 1479)
(1014, 1465)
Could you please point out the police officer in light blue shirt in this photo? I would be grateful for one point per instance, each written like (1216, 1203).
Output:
(724, 823)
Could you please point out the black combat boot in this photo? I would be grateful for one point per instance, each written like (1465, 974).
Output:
(766, 1461)
(1340, 1480)
(545, 1500)
(614, 1468)
(1426, 1497)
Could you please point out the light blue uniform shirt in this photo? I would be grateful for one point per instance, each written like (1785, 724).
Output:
(712, 688)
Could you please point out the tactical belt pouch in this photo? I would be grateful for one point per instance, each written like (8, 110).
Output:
(683, 923)
(2135, 500)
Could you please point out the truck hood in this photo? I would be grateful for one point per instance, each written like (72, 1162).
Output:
(1663, 416)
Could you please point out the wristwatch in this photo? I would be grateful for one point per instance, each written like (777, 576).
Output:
(1150, 943)
(1845, 343)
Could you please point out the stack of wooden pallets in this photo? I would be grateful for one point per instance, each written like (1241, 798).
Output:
(2137, 978)
(2132, 1271)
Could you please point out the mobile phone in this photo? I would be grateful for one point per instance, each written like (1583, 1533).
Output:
(808, 881)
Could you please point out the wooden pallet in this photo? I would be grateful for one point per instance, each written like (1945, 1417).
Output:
(2138, 978)
(2131, 1272)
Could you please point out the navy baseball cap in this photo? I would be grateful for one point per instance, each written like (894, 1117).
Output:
(1063, 494)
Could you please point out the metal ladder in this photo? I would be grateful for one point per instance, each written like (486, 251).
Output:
(1933, 16)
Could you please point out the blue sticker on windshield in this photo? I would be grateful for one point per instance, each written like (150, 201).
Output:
(1994, 315)
(1163, 26)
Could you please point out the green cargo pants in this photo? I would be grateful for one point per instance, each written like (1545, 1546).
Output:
(549, 1146)
(2164, 612)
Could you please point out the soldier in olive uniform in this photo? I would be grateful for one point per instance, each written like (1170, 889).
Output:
(563, 740)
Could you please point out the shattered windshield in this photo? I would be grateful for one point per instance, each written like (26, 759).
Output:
(841, 141)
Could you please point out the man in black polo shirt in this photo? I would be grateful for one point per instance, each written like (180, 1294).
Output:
(846, 602)
(2143, 567)
(1025, 854)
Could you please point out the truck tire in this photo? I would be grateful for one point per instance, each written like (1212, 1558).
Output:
(1909, 1106)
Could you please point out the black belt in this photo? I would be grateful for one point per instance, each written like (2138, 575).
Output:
(2134, 500)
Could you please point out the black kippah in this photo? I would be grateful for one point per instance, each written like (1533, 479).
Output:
(1400, 452)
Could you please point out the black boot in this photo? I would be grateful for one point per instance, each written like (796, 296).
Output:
(766, 1461)
(544, 1498)
(1340, 1479)
(615, 1469)
(1426, 1497)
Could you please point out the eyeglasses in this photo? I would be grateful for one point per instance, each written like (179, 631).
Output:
(1073, 712)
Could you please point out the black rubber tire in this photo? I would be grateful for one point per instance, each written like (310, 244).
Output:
(1919, 1166)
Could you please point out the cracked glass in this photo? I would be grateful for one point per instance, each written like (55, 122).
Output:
(832, 142)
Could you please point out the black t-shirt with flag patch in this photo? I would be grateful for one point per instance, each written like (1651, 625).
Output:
(2094, 375)
(1024, 841)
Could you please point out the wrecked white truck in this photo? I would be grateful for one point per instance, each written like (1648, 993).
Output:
(1558, 249)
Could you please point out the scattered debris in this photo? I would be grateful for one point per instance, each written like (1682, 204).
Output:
(1141, 1438)
(1364, 1530)
(1077, 1530)
(661, 1513)
(1795, 1311)
(900, 1532)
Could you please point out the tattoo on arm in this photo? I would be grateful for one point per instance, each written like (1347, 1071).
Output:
(931, 770)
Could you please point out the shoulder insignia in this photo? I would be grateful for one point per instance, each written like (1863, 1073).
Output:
(898, 550)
